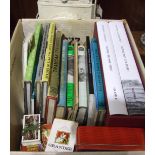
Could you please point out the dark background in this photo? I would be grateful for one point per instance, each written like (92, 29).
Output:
(132, 10)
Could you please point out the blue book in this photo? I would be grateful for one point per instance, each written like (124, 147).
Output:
(98, 82)
(61, 107)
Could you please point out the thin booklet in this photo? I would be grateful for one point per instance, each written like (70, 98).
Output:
(62, 137)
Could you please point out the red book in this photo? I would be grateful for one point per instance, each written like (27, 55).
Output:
(91, 138)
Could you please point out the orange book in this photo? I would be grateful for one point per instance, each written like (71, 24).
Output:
(91, 138)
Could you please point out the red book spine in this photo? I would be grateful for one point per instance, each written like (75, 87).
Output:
(110, 138)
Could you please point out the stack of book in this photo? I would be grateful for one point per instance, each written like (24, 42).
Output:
(125, 94)
(95, 83)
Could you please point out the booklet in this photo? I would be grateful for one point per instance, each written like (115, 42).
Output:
(62, 136)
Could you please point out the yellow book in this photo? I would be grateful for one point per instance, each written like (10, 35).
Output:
(49, 51)
(47, 67)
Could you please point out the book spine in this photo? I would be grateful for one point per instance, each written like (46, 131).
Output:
(42, 53)
(114, 91)
(63, 78)
(70, 76)
(130, 78)
(91, 96)
(76, 82)
(49, 53)
(99, 92)
(82, 77)
(90, 76)
(54, 81)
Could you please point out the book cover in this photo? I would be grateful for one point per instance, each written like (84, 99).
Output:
(130, 78)
(45, 133)
(114, 91)
(62, 137)
(110, 139)
(61, 107)
(55, 69)
(31, 130)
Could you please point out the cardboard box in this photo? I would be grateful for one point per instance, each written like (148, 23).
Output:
(75, 28)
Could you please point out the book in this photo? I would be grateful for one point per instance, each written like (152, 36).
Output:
(31, 68)
(55, 69)
(98, 83)
(110, 139)
(47, 66)
(61, 106)
(70, 80)
(50, 109)
(45, 133)
(31, 148)
(76, 82)
(54, 81)
(112, 80)
(81, 116)
(31, 130)
(38, 80)
(62, 136)
(91, 96)
(131, 82)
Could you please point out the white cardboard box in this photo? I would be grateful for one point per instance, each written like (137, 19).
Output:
(79, 9)
(78, 28)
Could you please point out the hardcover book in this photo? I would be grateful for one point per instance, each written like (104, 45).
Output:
(110, 139)
(130, 78)
(114, 91)
(55, 69)
(62, 137)
(81, 115)
(91, 96)
(76, 82)
(38, 80)
(98, 83)
(115, 120)
(50, 109)
(31, 69)
(47, 66)
(70, 81)
(61, 106)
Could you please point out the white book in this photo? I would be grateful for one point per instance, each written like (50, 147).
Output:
(62, 136)
(82, 77)
(114, 91)
(130, 78)
(82, 85)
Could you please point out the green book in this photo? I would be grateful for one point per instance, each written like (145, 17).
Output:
(70, 77)
(34, 54)
(31, 69)
(54, 81)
